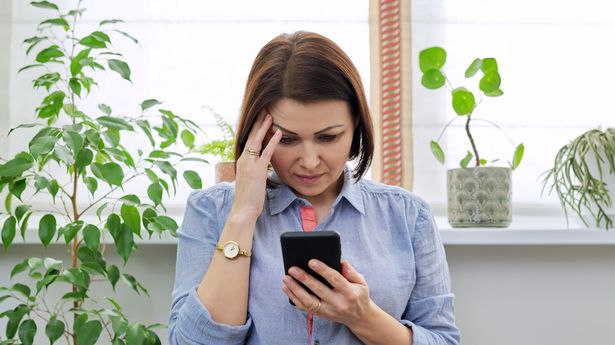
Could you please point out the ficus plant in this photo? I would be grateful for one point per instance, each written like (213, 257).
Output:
(464, 102)
(79, 163)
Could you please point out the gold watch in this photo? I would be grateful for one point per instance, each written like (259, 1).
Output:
(231, 250)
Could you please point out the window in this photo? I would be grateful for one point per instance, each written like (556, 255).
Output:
(556, 62)
(192, 54)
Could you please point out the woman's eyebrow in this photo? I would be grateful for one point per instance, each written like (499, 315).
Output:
(315, 133)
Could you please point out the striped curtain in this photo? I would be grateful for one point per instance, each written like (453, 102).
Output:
(391, 91)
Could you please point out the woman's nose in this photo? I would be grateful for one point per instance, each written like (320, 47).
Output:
(310, 158)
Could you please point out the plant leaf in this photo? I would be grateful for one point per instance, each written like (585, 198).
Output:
(131, 217)
(135, 334)
(57, 22)
(44, 4)
(73, 140)
(112, 173)
(433, 79)
(432, 58)
(124, 242)
(120, 67)
(187, 138)
(47, 229)
(49, 54)
(437, 151)
(518, 156)
(110, 21)
(54, 329)
(114, 123)
(89, 333)
(91, 236)
(490, 82)
(84, 158)
(489, 65)
(105, 108)
(134, 40)
(193, 179)
(75, 86)
(474, 67)
(15, 167)
(42, 145)
(93, 42)
(8, 232)
(27, 330)
(145, 127)
(113, 274)
(154, 192)
(148, 103)
(463, 101)
(92, 184)
(466, 160)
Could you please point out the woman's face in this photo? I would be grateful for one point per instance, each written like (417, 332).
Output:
(315, 145)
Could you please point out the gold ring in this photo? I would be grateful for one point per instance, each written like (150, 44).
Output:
(317, 308)
(253, 152)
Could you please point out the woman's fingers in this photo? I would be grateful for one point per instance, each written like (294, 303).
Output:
(271, 145)
(300, 297)
(257, 135)
(318, 288)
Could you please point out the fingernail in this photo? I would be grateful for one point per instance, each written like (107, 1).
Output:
(314, 263)
(293, 271)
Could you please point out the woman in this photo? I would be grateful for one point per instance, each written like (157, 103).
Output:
(305, 114)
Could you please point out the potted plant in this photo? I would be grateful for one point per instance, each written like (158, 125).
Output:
(78, 163)
(583, 176)
(478, 196)
(222, 149)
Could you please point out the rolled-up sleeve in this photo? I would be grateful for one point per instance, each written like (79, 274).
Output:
(430, 313)
(190, 321)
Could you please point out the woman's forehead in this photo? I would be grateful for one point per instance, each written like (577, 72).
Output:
(294, 116)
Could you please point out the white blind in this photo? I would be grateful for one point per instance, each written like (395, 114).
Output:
(556, 59)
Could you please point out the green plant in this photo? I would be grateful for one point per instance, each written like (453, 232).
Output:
(78, 163)
(578, 175)
(431, 61)
(221, 148)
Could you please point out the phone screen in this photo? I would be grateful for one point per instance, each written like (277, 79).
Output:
(298, 248)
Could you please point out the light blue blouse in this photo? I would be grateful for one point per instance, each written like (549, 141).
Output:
(387, 233)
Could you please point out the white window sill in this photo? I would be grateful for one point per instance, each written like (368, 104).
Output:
(526, 230)
(544, 227)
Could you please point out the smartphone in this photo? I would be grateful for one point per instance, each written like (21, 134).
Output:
(299, 247)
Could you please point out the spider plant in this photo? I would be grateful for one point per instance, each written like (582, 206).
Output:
(578, 176)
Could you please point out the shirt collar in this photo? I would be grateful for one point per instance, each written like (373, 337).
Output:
(281, 197)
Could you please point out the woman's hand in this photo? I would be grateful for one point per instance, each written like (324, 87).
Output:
(347, 303)
(251, 175)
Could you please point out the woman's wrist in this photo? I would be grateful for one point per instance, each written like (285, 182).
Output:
(378, 327)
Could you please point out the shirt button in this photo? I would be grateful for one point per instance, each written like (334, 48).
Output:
(317, 342)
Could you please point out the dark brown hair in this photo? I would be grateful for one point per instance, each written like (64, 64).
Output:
(307, 67)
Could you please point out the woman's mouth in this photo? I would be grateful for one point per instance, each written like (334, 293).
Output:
(309, 179)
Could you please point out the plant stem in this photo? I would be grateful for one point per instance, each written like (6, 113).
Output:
(472, 140)
(107, 194)
(73, 197)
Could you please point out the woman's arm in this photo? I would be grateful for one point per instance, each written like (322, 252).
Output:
(224, 289)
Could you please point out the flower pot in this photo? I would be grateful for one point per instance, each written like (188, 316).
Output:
(479, 197)
(225, 172)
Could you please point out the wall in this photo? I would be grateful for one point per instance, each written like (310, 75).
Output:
(534, 295)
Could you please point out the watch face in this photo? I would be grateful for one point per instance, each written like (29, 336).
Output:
(231, 250)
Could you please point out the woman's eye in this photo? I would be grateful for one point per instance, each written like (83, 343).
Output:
(287, 140)
(327, 137)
